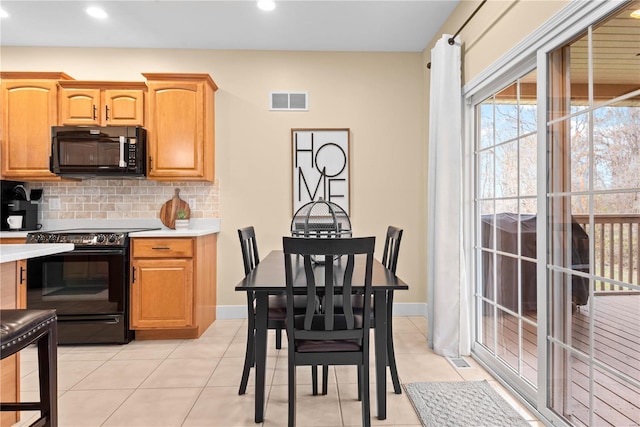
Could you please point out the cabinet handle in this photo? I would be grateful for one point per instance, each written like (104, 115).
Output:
(133, 275)
(161, 248)
(106, 112)
(21, 275)
(95, 110)
(150, 163)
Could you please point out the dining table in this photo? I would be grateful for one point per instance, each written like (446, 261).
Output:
(268, 278)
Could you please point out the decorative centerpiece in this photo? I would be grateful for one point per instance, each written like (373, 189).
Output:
(323, 220)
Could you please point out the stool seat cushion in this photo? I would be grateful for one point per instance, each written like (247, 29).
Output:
(18, 326)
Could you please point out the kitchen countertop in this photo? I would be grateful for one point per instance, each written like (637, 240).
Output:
(197, 227)
(10, 253)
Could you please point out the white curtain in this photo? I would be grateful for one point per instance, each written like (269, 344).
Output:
(447, 292)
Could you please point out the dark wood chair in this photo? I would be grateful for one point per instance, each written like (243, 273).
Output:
(277, 309)
(277, 305)
(390, 260)
(19, 329)
(329, 337)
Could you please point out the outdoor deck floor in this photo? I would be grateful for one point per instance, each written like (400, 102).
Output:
(616, 344)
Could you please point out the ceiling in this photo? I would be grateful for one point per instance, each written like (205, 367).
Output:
(355, 25)
(615, 50)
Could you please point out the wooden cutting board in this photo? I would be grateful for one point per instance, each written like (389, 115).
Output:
(170, 209)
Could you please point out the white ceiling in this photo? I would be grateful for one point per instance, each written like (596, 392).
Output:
(355, 25)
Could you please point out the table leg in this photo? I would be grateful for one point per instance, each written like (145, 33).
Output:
(262, 312)
(380, 302)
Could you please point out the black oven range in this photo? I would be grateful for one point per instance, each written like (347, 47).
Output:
(88, 287)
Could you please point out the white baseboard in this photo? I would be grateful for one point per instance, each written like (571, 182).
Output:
(399, 309)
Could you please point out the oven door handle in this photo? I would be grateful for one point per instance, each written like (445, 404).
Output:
(90, 319)
(83, 251)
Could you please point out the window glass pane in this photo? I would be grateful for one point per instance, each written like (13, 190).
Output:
(506, 168)
(578, 145)
(614, 46)
(509, 342)
(617, 204)
(486, 322)
(506, 114)
(616, 145)
(487, 232)
(485, 174)
(529, 352)
(616, 235)
(528, 165)
(486, 208)
(485, 120)
(528, 104)
(488, 275)
(528, 206)
(510, 206)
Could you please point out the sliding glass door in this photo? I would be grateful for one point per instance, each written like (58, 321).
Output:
(556, 225)
(506, 300)
(593, 224)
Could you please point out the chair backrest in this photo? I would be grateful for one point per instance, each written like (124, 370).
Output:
(342, 257)
(391, 248)
(249, 247)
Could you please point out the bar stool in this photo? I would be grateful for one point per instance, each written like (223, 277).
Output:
(19, 329)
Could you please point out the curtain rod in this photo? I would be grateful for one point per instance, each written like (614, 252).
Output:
(451, 40)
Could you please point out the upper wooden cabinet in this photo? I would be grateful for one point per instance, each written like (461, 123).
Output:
(101, 103)
(28, 109)
(180, 125)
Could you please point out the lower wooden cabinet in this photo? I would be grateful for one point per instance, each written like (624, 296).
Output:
(162, 293)
(173, 286)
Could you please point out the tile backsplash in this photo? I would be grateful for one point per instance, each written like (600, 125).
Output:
(122, 198)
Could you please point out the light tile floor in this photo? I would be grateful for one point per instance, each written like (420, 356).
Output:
(195, 383)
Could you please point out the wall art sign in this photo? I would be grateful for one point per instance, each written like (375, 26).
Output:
(320, 160)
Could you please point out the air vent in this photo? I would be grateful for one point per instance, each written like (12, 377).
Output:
(458, 362)
(289, 101)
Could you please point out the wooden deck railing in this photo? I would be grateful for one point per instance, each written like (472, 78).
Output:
(617, 248)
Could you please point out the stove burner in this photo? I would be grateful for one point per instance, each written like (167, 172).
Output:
(115, 237)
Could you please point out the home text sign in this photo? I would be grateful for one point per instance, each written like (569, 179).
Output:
(320, 160)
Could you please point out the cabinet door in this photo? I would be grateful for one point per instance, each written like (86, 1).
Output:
(29, 109)
(176, 130)
(124, 107)
(80, 107)
(162, 294)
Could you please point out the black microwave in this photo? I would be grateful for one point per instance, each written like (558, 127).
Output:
(114, 151)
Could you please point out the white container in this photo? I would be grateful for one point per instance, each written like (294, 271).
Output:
(182, 224)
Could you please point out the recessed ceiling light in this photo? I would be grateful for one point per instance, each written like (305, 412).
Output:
(266, 4)
(96, 12)
(636, 14)
(4, 13)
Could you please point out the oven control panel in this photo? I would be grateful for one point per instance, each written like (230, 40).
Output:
(92, 239)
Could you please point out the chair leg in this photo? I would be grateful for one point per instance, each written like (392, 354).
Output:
(359, 383)
(325, 378)
(292, 391)
(364, 386)
(249, 357)
(47, 367)
(278, 338)
(314, 379)
(391, 355)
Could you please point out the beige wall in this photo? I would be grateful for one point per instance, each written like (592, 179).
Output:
(497, 27)
(381, 97)
(378, 96)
